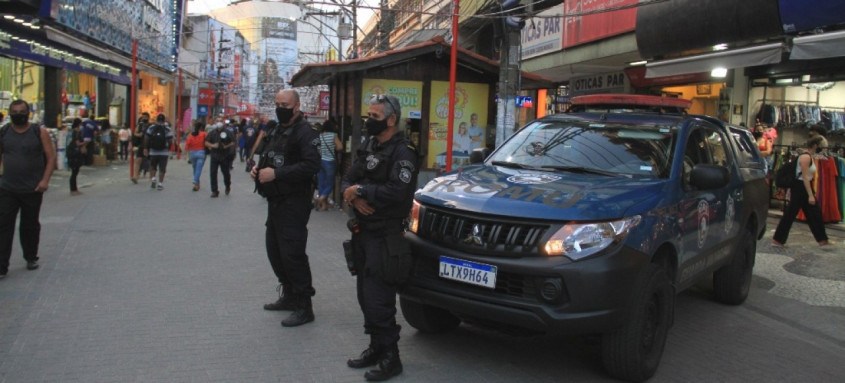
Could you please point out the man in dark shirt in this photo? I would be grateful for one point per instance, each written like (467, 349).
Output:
(28, 159)
(290, 159)
(219, 142)
(380, 187)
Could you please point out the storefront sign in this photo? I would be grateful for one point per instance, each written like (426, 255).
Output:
(543, 35)
(581, 28)
(613, 82)
(470, 111)
(50, 56)
(636, 75)
(206, 97)
(325, 100)
(409, 93)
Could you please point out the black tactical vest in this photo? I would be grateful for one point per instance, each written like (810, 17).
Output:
(275, 155)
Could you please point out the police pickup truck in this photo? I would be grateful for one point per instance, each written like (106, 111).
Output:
(591, 222)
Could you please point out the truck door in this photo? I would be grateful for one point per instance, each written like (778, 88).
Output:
(703, 211)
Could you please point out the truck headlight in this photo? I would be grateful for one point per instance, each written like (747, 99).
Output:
(414, 223)
(580, 240)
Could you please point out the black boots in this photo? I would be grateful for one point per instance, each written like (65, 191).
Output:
(369, 357)
(284, 303)
(302, 313)
(389, 366)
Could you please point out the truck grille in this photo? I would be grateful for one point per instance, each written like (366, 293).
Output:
(481, 235)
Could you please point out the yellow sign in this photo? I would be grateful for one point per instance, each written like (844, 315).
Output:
(409, 94)
(470, 129)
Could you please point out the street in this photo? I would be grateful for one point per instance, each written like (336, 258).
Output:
(139, 285)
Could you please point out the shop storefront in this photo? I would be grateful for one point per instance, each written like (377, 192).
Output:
(419, 76)
(21, 79)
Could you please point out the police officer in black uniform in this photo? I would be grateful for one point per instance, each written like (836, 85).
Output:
(290, 158)
(380, 187)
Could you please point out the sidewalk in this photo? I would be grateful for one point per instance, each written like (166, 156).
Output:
(139, 285)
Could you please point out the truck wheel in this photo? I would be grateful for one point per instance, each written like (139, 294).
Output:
(633, 352)
(427, 318)
(732, 282)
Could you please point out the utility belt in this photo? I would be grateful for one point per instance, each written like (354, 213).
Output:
(385, 225)
(395, 264)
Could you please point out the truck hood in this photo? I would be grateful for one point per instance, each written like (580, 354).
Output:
(558, 195)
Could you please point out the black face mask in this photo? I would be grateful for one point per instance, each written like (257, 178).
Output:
(283, 115)
(19, 119)
(375, 127)
(757, 134)
(819, 150)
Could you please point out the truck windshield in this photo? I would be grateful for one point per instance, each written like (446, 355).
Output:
(635, 150)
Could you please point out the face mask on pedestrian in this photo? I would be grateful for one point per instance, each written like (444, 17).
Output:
(19, 119)
(375, 127)
(283, 115)
(819, 150)
(757, 135)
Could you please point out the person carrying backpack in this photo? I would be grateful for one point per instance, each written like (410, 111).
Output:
(28, 160)
(803, 197)
(157, 139)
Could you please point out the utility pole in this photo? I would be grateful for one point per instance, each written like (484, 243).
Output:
(508, 71)
(218, 85)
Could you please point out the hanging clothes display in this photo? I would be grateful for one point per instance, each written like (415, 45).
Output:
(827, 196)
(802, 116)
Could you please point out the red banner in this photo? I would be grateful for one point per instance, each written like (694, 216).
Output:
(325, 100)
(206, 97)
(606, 22)
(246, 109)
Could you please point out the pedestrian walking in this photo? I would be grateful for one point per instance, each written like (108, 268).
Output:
(106, 140)
(380, 188)
(89, 133)
(289, 161)
(75, 152)
(195, 146)
(219, 141)
(330, 146)
(803, 197)
(138, 145)
(157, 140)
(28, 160)
(123, 136)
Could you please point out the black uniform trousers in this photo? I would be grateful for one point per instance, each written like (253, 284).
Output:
(225, 166)
(376, 298)
(286, 237)
(29, 205)
(800, 200)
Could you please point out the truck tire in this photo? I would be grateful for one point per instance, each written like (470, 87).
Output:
(633, 352)
(427, 318)
(732, 282)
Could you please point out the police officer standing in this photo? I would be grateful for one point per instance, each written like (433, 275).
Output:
(380, 187)
(289, 160)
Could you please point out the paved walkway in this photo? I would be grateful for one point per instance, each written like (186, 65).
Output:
(167, 286)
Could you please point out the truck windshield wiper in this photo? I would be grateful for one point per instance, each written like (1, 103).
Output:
(581, 169)
(515, 165)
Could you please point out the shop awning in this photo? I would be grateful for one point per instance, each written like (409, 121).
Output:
(729, 59)
(818, 46)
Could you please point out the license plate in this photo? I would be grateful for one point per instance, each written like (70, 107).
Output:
(468, 272)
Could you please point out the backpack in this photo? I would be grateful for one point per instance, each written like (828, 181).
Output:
(158, 137)
(785, 176)
(71, 147)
